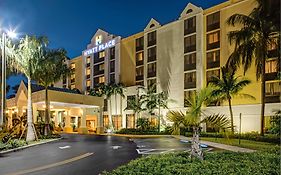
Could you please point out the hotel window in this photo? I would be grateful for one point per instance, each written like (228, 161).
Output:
(112, 53)
(190, 61)
(139, 44)
(102, 54)
(211, 74)
(112, 66)
(139, 58)
(151, 38)
(99, 69)
(151, 54)
(272, 92)
(130, 100)
(153, 120)
(72, 78)
(151, 83)
(130, 122)
(213, 59)
(72, 66)
(105, 121)
(190, 80)
(139, 73)
(190, 43)
(213, 40)
(99, 80)
(111, 78)
(272, 49)
(88, 84)
(187, 96)
(190, 25)
(117, 121)
(88, 73)
(151, 70)
(72, 86)
(271, 66)
(213, 21)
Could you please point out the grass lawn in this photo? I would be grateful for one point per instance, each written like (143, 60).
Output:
(244, 143)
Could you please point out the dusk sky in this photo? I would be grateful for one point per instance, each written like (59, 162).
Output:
(71, 24)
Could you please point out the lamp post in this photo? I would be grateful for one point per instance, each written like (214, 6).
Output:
(11, 34)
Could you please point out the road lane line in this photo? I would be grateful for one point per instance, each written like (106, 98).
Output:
(64, 147)
(52, 165)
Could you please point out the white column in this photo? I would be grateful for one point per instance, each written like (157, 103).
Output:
(67, 128)
(83, 128)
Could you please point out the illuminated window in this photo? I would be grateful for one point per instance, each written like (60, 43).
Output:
(101, 79)
(88, 71)
(130, 123)
(139, 71)
(271, 66)
(88, 60)
(117, 121)
(72, 86)
(101, 66)
(213, 21)
(272, 45)
(105, 121)
(88, 83)
(213, 59)
(102, 54)
(213, 37)
(190, 43)
(190, 61)
(273, 88)
(72, 66)
(190, 25)
(139, 56)
(72, 76)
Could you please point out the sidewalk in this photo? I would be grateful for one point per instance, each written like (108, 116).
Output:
(29, 145)
(219, 145)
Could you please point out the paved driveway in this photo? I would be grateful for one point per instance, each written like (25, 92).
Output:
(74, 154)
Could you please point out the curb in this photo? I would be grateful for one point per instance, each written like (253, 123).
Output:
(135, 136)
(27, 146)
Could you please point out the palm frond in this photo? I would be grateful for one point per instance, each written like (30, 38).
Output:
(218, 121)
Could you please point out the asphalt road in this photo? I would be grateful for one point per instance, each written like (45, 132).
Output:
(74, 154)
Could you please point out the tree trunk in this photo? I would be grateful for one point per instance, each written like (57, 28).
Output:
(231, 115)
(196, 150)
(30, 136)
(47, 113)
(262, 96)
(110, 115)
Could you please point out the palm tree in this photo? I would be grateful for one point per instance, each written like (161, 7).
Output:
(259, 29)
(195, 116)
(228, 87)
(52, 69)
(26, 60)
(118, 89)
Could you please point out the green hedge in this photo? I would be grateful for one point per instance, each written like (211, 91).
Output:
(14, 143)
(270, 138)
(133, 131)
(263, 163)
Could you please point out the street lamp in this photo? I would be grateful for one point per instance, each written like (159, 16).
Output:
(11, 34)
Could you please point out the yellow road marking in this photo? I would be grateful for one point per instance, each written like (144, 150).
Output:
(52, 165)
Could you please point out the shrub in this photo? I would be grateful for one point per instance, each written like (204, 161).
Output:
(134, 131)
(53, 136)
(14, 143)
(264, 163)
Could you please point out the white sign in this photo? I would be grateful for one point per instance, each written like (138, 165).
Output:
(100, 47)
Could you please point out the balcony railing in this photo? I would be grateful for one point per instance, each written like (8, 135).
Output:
(213, 26)
(98, 60)
(151, 43)
(138, 63)
(151, 58)
(88, 76)
(151, 74)
(139, 48)
(190, 48)
(98, 72)
(273, 98)
(72, 80)
(189, 85)
(139, 77)
(273, 53)
(189, 30)
(189, 66)
(88, 64)
(271, 76)
(213, 45)
(213, 64)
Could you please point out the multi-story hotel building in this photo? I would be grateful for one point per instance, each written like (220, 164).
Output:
(179, 57)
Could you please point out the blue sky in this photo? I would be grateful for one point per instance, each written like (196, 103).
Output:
(70, 24)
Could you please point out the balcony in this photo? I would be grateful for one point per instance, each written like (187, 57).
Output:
(72, 80)
(190, 48)
(98, 72)
(271, 76)
(139, 77)
(275, 98)
(151, 74)
(98, 60)
(139, 48)
(189, 30)
(88, 76)
(189, 66)
(88, 64)
(213, 64)
(213, 26)
(273, 53)
(189, 85)
(88, 88)
(151, 58)
(139, 63)
(213, 45)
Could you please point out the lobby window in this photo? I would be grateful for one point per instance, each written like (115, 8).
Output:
(211, 74)
(112, 53)
(139, 58)
(272, 92)
(190, 25)
(151, 54)
(102, 54)
(112, 66)
(213, 21)
(139, 44)
(130, 120)
(190, 43)
(117, 121)
(190, 61)
(213, 40)
(151, 38)
(139, 73)
(187, 96)
(112, 78)
(105, 121)
(213, 59)
(151, 70)
(190, 80)
(151, 83)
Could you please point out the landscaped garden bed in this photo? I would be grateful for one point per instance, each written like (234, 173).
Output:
(261, 162)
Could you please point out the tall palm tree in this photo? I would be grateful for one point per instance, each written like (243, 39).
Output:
(228, 87)
(119, 90)
(195, 116)
(52, 69)
(259, 29)
(26, 60)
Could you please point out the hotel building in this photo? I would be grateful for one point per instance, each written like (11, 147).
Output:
(180, 57)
